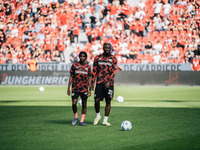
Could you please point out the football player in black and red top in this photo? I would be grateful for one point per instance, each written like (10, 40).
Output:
(104, 69)
(80, 78)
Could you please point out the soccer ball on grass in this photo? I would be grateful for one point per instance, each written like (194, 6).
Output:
(120, 99)
(80, 102)
(126, 125)
(41, 89)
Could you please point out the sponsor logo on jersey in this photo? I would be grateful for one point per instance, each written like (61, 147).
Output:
(73, 94)
(105, 63)
(81, 72)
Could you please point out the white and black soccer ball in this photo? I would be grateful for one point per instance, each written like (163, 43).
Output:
(80, 102)
(41, 89)
(126, 125)
(120, 99)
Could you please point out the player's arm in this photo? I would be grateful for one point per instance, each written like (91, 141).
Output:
(72, 70)
(90, 87)
(69, 85)
(113, 72)
(94, 73)
(28, 66)
(89, 81)
(114, 69)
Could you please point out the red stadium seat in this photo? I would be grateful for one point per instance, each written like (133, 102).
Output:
(140, 56)
(169, 33)
(145, 39)
(162, 33)
(139, 38)
(183, 33)
(130, 61)
(164, 38)
(155, 33)
(173, 17)
(152, 38)
(176, 33)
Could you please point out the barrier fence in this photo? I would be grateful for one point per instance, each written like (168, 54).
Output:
(142, 74)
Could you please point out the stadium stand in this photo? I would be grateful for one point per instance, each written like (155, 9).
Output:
(43, 29)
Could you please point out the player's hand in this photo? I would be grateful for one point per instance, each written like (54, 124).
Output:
(68, 92)
(89, 93)
(92, 87)
(107, 85)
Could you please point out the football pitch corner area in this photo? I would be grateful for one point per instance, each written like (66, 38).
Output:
(162, 118)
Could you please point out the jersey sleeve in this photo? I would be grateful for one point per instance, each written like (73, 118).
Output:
(95, 69)
(89, 70)
(72, 70)
(113, 70)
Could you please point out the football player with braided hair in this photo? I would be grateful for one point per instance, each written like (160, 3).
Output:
(104, 69)
(80, 79)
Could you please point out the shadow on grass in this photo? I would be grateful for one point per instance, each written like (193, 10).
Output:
(36, 101)
(66, 122)
(47, 101)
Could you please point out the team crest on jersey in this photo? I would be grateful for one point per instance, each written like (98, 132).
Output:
(85, 93)
(73, 94)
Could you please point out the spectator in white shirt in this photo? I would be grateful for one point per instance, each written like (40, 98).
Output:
(181, 2)
(167, 8)
(189, 7)
(165, 23)
(156, 58)
(124, 51)
(141, 4)
(139, 15)
(174, 53)
(157, 8)
(156, 19)
(96, 48)
(157, 47)
(123, 45)
(14, 32)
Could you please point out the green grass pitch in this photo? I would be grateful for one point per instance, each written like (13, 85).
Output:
(162, 118)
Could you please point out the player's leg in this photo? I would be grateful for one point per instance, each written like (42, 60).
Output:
(107, 112)
(97, 105)
(74, 107)
(97, 98)
(108, 97)
(107, 107)
(84, 108)
(97, 109)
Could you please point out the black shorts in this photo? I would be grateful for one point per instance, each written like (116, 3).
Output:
(83, 95)
(102, 92)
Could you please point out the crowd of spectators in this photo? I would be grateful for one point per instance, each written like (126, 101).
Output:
(154, 31)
